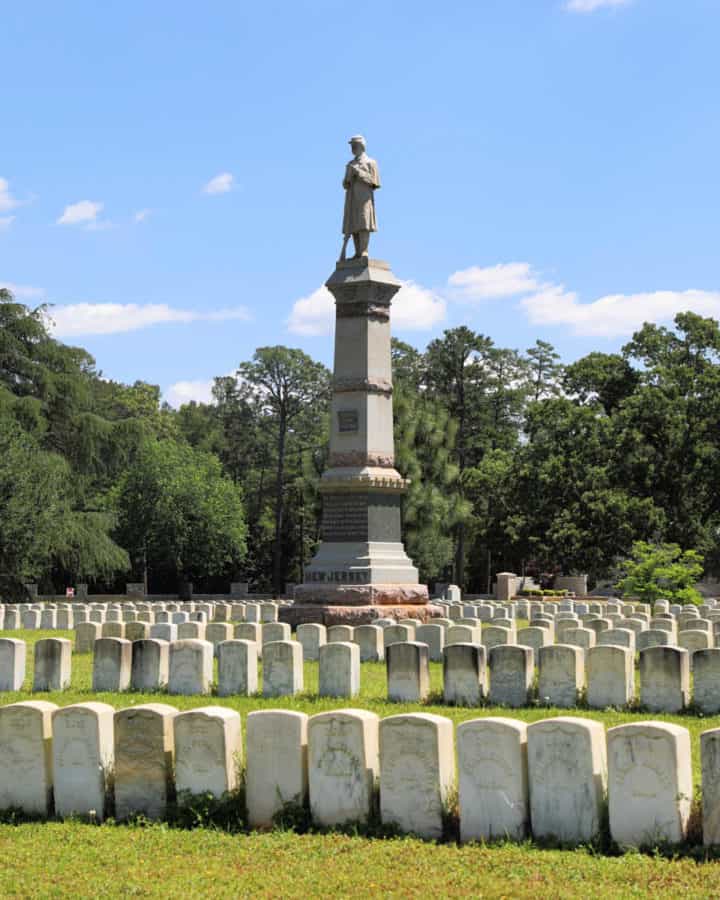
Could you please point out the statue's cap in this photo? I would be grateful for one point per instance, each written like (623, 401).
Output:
(357, 139)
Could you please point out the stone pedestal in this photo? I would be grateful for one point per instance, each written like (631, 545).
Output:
(361, 563)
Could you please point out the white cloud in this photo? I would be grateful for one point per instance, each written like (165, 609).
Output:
(141, 215)
(589, 6)
(414, 308)
(7, 201)
(493, 282)
(615, 315)
(313, 315)
(220, 184)
(23, 291)
(6, 222)
(83, 213)
(184, 391)
(113, 318)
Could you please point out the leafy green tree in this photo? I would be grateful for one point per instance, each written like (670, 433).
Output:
(33, 507)
(661, 571)
(290, 391)
(668, 430)
(605, 379)
(543, 371)
(424, 443)
(178, 515)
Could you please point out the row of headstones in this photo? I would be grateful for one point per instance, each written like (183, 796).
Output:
(504, 677)
(67, 616)
(689, 630)
(548, 779)
(88, 632)
(486, 610)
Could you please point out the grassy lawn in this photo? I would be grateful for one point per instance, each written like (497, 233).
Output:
(56, 859)
(78, 860)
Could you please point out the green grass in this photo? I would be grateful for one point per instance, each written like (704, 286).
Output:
(71, 858)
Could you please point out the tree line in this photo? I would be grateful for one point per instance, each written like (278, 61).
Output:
(516, 462)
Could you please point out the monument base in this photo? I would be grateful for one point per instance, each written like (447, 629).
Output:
(366, 614)
(362, 594)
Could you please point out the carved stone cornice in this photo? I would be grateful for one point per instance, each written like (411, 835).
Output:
(362, 458)
(363, 482)
(362, 309)
(347, 384)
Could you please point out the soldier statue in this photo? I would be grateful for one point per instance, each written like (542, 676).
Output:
(361, 180)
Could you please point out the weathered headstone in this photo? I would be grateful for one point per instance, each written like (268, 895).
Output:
(339, 669)
(710, 756)
(561, 674)
(610, 676)
(237, 668)
(150, 665)
(653, 637)
(191, 667)
(567, 771)
(417, 772)
(82, 758)
(26, 753)
(250, 631)
(113, 630)
(208, 750)
(339, 633)
(463, 634)
(535, 638)
(191, 631)
(276, 631)
(164, 632)
(434, 636)
(706, 681)
(343, 765)
(585, 638)
(511, 675)
(276, 763)
(617, 637)
(53, 660)
(493, 781)
(692, 641)
(396, 634)
(369, 639)
(282, 668)
(493, 635)
(408, 671)
(112, 665)
(144, 757)
(312, 636)
(12, 664)
(649, 783)
(137, 631)
(464, 674)
(664, 679)
(268, 612)
(216, 632)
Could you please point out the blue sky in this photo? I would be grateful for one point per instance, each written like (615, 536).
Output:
(170, 172)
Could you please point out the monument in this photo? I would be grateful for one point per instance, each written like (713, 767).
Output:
(361, 571)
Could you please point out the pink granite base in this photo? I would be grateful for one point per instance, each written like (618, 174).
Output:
(324, 614)
(362, 594)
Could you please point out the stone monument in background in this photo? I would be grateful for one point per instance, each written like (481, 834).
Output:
(361, 570)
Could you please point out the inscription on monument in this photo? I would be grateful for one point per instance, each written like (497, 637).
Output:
(347, 420)
(345, 517)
